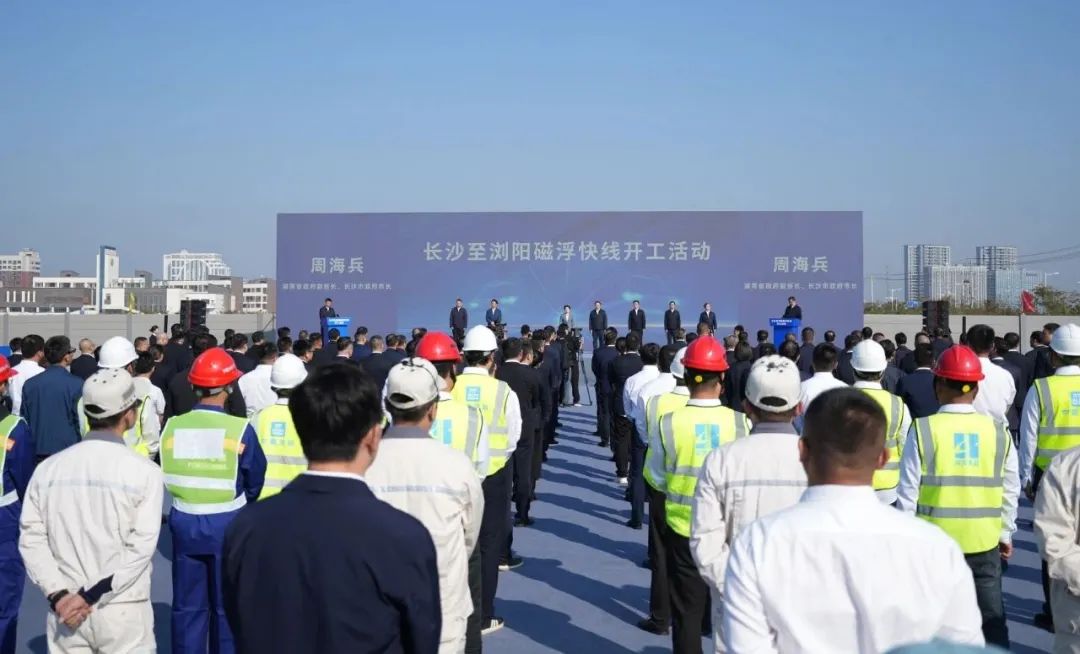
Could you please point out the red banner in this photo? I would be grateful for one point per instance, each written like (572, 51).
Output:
(1027, 302)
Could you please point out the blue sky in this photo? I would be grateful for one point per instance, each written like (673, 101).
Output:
(155, 126)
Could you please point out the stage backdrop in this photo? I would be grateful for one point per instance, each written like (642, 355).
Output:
(391, 272)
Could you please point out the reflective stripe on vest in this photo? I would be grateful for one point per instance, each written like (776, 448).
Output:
(7, 426)
(688, 435)
(963, 476)
(656, 407)
(200, 459)
(888, 477)
(280, 443)
(490, 395)
(457, 425)
(133, 437)
(1059, 421)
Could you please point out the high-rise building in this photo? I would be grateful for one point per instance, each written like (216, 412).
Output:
(965, 286)
(996, 257)
(23, 261)
(1005, 286)
(916, 259)
(184, 266)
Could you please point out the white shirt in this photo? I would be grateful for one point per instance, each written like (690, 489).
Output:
(654, 457)
(816, 385)
(911, 476)
(438, 486)
(664, 382)
(633, 387)
(1056, 517)
(93, 510)
(888, 496)
(27, 369)
(255, 387)
(483, 446)
(152, 414)
(842, 572)
(1029, 426)
(513, 410)
(996, 392)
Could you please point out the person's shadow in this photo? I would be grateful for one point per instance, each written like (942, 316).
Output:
(554, 630)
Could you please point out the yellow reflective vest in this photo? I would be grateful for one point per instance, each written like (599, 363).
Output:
(490, 395)
(280, 443)
(133, 437)
(1059, 421)
(889, 477)
(655, 408)
(459, 426)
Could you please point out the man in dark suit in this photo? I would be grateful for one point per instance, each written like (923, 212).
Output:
(459, 320)
(1026, 365)
(86, 363)
(552, 363)
(600, 360)
(793, 310)
(326, 311)
(844, 372)
(635, 320)
(524, 380)
(238, 351)
(597, 325)
(1041, 356)
(902, 350)
(917, 389)
(708, 317)
(762, 339)
(942, 341)
(16, 356)
(622, 368)
(177, 353)
(735, 384)
(299, 567)
(806, 353)
(672, 322)
(180, 399)
(378, 365)
(890, 379)
(1012, 413)
(494, 316)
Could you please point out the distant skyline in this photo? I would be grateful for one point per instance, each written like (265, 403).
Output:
(160, 127)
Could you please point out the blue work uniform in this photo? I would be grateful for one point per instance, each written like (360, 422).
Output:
(198, 612)
(18, 464)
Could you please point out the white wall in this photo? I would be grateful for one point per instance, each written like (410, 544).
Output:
(100, 327)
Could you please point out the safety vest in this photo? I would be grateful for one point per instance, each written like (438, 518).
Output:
(200, 458)
(889, 477)
(133, 437)
(657, 406)
(458, 425)
(1059, 421)
(963, 476)
(491, 396)
(285, 458)
(7, 427)
(688, 434)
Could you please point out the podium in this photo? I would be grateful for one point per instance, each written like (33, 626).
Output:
(339, 323)
(781, 327)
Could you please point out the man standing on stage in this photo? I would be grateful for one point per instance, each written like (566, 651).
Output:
(459, 320)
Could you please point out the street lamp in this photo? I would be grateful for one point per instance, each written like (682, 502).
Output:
(892, 296)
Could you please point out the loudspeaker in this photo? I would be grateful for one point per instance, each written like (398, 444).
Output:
(935, 315)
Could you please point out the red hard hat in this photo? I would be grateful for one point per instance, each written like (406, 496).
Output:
(213, 368)
(437, 347)
(959, 363)
(706, 353)
(6, 371)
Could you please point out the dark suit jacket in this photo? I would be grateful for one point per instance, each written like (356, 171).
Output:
(244, 363)
(806, 359)
(1027, 366)
(459, 318)
(526, 383)
(735, 384)
(325, 313)
(635, 322)
(844, 372)
(1014, 411)
(890, 380)
(1043, 366)
(672, 320)
(601, 359)
(940, 345)
(493, 317)
(378, 365)
(14, 360)
(621, 369)
(83, 366)
(180, 399)
(793, 312)
(901, 352)
(917, 392)
(709, 319)
(350, 573)
(597, 320)
(178, 357)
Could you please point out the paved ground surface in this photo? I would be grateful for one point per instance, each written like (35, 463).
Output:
(581, 589)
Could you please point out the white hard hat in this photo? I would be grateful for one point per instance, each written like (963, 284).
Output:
(480, 339)
(117, 352)
(287, 372)
(677, 367)
(1066, 340)
(868, 356)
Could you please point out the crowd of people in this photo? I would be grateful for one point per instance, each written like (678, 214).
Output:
(317, 478)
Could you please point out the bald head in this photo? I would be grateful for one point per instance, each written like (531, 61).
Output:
(86, 346)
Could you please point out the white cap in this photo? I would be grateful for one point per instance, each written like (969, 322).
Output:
(677, 367)
(287, 372)
(480, 339)
(773, 384)
(1066, 340)
(411, 383)
(116, 352)
(868, 356)
(107, 393)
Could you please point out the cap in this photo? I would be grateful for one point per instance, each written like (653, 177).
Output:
(1066, 340)
(108, 392)
(411, 383)
(774, 384)
(6, 371)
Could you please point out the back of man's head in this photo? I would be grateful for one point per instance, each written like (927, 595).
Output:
(377, 343)
(144, 364)
(830, 336)
(1012, 340)
(789, 350)
(667, 355)
(1001, 348)
(825, 356)
(843, 438)
(743, 351)
(808, 335)
(511, 349)
(851, 340)
(922, 338)
(981, 339)
(620, 345)
(56, 348)
(334, 410)
(867, 333)
(610, 336)
(762, 336)
(703, 328)
(633, 342)
(32, 345)
(890, 349)
(202, 343)
(650, 354)
(901, 339)
(924, 355)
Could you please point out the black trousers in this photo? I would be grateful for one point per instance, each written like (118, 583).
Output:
(493, 537)
(637, 479)
(553, 421)
(624, 431)
(986, 569)
(473, 642)
(603, 415)
(538, 451)
(659, 591)
(575, 377)
(670, 336)
(690, 600)
(522, 460)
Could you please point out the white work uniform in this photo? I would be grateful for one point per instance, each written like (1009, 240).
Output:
(664, 382)
(255, 387)
(816, 385)
(842, 572)
(438, 486)
(635, 384)
(93, 512)
(997, 391)
(513, 413)
(26, 370)
(152, 413)
(739, 483)
(654, 458)
(907, 493)
(1057, 521)
(1029, 426)
(888, 496)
